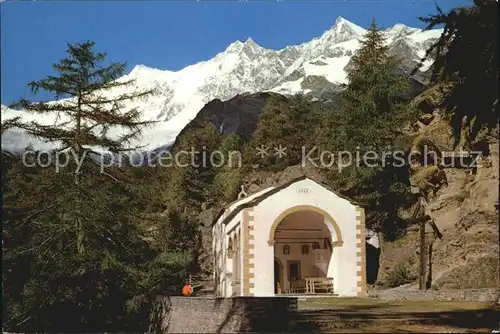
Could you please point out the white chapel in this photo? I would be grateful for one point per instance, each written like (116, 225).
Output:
(296, 238)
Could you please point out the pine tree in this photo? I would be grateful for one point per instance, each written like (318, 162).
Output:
(283, 123)
(370, 116)
(107, 216)
(86, 112)
(372, 54)
(371, 101)
(193, 171)
(85, 109)
(273, 123)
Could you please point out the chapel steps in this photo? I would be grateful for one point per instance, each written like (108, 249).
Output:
(206, 288)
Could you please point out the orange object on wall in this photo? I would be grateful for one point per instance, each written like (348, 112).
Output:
(187, 290)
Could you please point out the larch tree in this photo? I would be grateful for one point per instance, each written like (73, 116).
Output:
(371, 100)
(109, 281)
(85, 103)
(371, 119)
(86, 108)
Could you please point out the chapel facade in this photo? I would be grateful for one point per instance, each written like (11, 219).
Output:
(296, 238)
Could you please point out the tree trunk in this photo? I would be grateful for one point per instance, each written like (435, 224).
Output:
(80, 232)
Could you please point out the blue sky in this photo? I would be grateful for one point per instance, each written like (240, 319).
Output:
(172, 34)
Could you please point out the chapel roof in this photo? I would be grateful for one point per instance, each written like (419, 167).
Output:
(255, 199)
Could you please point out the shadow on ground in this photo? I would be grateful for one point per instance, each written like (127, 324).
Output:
(281, 319)
(263, 315)
(287, 315)
(370, 315)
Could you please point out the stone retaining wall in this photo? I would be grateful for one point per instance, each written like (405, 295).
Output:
(216, 315)
(479, 295)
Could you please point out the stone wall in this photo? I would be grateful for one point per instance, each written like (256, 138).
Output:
(217, 315)
(479, 295)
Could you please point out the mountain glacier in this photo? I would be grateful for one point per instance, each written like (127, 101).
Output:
(244, 67)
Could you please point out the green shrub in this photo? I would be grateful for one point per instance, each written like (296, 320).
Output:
(399, 274)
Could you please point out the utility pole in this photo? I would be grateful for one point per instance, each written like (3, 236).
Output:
(428, 284)
(498, 301)
(421, 281)
(423, 218)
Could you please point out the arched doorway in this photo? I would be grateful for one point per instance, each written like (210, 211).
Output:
(304, 239)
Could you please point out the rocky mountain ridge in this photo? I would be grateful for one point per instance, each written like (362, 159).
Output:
(315, 68)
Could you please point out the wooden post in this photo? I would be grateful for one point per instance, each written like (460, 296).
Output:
(428, 285)
(498, 301)
(421, 281)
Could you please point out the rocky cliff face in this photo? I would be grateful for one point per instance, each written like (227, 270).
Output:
(460, 197)
(467, 254)
(238, 115)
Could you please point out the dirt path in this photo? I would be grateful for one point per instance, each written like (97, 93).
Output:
(340, 315)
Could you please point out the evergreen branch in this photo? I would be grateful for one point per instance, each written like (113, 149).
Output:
(45, 107)
(99, 100)
(33, 248)
(66, 67)
(59, 85)
(111, 177)
(108, 74)
(106, 86)
(10, 123)
(87, 138)
(26, 219)
(48, 133)
(112, 117)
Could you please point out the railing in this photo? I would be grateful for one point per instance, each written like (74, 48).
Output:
(195, 283)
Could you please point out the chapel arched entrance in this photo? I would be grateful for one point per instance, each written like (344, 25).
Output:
(304, 239)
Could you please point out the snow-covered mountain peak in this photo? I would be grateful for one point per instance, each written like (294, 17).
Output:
(344, 25)
(315, 67)
(250, 41)
(399, 27)
(236, 46)
(341, 20)
(343, 30)
(400, 31)
(148, 77)
(249, 47)
(146, 71)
